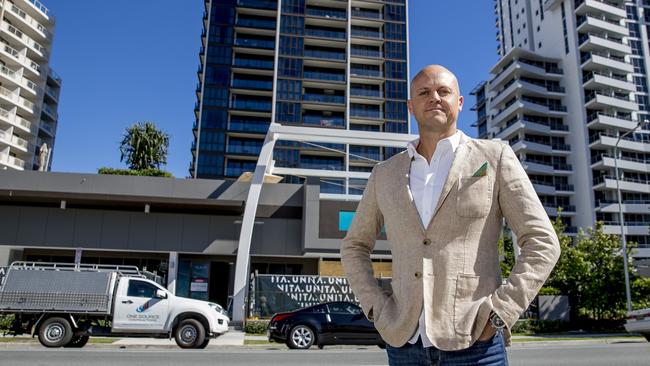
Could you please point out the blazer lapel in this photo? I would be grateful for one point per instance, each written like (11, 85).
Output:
(404, 190)
(460, 157)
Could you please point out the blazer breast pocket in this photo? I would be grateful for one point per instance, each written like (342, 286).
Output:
(474, 196)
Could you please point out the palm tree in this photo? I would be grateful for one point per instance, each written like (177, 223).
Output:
(144, 146)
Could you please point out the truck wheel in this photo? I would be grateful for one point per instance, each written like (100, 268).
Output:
(204, 344)
(189, 334)
(55, 332)
(78, 341)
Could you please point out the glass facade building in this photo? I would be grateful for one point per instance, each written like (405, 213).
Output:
(339, 64)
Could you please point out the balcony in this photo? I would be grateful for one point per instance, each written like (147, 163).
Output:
(604, 120)
(366, 73)
(626, 163)
(627, 206)
(244, 149)
(598, 42)
(367, 33)
(367, 14)
(366, 53)
(258, 4)
(365, 113)
(327, 55)
(253, 63)
(251, 105)
(599, 23)
(626, 184)
(255, 43)
(603, 141)
(603, 61)
(252, 84)
(50, 111)
(599, 80)
(597, 99)
(37, 28)
(24, 39)
(537, 167)
(320, 75)
(596, 6)
(255, 23)
(248, 126)
(323, 121)
(630, 228)
(321, 33)
(326, 13)
(360, 92)
(47, 127)
(324, 98)
(561, 187)
(12, 162)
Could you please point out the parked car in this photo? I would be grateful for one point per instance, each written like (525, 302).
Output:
(638, 321)
(324, 324)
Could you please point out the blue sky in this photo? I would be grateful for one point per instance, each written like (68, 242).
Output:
(124, 61)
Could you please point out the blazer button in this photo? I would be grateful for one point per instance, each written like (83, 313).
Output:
(426, 241)
(418, 274)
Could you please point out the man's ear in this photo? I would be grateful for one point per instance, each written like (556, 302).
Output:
(409, 104)
(461, 101)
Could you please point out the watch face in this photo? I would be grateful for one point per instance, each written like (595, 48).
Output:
(496, 321)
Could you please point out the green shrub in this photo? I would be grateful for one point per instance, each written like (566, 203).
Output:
(256, 326)
(144, 173)
(5, 322)
(534, 326)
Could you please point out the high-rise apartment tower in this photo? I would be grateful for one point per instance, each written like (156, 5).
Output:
(29, 89)
(339, 64)
(572, 78)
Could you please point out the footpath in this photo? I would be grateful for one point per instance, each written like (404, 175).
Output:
(236, 338)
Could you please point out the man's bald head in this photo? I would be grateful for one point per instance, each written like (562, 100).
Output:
(435, 100)
(430, 71)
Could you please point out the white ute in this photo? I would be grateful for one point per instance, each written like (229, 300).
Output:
(65, 304)
(638, 321)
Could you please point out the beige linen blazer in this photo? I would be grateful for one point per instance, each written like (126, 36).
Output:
(451, 267)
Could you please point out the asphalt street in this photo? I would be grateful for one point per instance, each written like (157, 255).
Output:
(633, 353)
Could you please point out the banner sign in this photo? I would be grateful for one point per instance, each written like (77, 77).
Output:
(279, 293)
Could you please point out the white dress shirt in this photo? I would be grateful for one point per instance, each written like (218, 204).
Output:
(425, 183)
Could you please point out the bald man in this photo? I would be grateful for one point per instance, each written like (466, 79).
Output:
(441, 203)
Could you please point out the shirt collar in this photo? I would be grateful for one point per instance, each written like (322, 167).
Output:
(453, 141)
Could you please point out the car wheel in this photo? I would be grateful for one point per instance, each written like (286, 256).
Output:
(55, 332)
(189, 334)
(77, 341)
(301, 337)
(647, 336)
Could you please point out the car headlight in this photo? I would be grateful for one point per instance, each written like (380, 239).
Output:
(218, 308)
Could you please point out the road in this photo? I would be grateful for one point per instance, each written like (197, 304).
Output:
(633, 353)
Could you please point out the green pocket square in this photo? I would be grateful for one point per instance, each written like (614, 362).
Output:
(482, 171)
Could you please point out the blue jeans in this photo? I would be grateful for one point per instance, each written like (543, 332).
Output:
(482, 353)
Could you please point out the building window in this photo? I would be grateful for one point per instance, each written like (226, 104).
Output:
(287, 112)
(395, 70)
(289, 89)
(395, 50)
(291, 67)
(292, 25)
(291, 46)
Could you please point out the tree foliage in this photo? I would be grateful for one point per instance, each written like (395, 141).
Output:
(144, 146)
(590, 272)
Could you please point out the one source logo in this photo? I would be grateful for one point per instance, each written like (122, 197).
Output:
(142, 308)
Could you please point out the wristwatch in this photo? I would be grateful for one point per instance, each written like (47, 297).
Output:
(496, 321)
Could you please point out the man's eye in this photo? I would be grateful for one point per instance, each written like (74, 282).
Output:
(424, 93)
